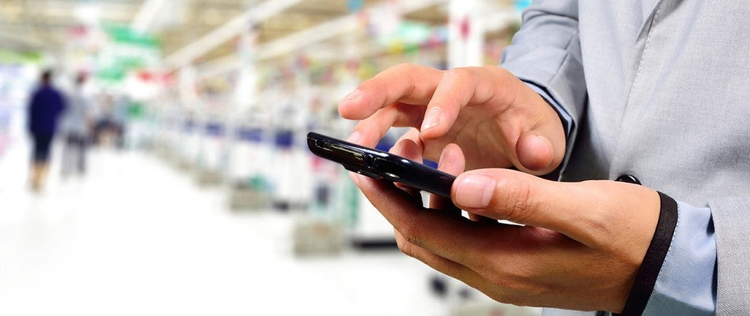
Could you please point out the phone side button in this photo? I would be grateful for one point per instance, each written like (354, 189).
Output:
(366, 173)
(390, 168)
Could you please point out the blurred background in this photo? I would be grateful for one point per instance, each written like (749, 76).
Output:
(177, 178)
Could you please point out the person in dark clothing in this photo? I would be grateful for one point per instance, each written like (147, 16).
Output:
(44, 110)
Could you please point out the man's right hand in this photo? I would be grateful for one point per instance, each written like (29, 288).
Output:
(490, 114)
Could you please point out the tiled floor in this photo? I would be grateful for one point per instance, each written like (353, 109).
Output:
(136, 237)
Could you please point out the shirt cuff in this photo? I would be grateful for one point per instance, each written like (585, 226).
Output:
(687, 282)
(567, 122)
(678, 273)
(565, 117)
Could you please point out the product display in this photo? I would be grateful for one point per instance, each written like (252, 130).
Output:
(200, 188)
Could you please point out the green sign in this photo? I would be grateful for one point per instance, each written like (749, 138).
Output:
(12, 58)
(126, 35)
(127, 50)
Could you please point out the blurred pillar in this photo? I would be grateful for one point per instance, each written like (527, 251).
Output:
(246, 90)
(187, 81)
(239, 113)
(465, 33)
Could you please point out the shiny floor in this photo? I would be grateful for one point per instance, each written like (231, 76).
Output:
(136, 237)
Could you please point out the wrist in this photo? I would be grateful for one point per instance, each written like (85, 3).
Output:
(645, 280)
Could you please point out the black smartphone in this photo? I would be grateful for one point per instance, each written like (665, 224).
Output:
(381, 165)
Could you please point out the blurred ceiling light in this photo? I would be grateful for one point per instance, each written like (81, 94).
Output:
(212, 17)
(227, 31)
(87, 12)
(329, 30)
(11, 11)
(296, 41)
(121, 16)
(149, 12)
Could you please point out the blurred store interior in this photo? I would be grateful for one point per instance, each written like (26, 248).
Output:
(199, 195)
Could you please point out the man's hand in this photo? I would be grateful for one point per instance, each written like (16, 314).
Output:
(581, 248)
(495, 118)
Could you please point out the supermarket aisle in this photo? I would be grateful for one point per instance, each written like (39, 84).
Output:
(137, 238)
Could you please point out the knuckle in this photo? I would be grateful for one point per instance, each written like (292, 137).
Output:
(405, 68)
(404, 246)
(410, 115)
(461, 83)
(495, 275)
(411, 234)
(400, 71)
(517, 286)
(459, 74)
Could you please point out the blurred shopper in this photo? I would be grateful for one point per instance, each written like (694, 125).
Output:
(76, 125)
(108, 127)
(120, 110)
(44, 110)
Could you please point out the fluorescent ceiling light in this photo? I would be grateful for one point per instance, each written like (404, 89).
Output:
(302, 39)
(328, 30)
(227, 31)
(148, 13)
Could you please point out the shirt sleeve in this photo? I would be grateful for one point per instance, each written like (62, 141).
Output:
(568, 127)
(684, 282)
(687, 282)
(565, 117)
(546, 54)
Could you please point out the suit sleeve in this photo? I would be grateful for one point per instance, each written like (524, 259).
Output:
(678, 273)
(733, 250)
(546, 52)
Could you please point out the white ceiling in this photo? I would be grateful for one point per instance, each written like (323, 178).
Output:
(43, 24)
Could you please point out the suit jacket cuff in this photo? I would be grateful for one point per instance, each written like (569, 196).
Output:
(645, 280)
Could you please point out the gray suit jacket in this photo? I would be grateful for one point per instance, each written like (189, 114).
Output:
(659, 89)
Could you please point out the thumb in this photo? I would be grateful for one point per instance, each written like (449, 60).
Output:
(541, 149)
(505, 195)
(584, 211)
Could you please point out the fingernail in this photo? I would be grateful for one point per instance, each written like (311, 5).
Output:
(354, 178)
(475, 191)
(352, 96)
(396, 148)
(545, 142)
(431, 118)
(354, 137)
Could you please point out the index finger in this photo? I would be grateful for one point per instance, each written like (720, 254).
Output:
(452, 162)
(405, 83)
(451, 237)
